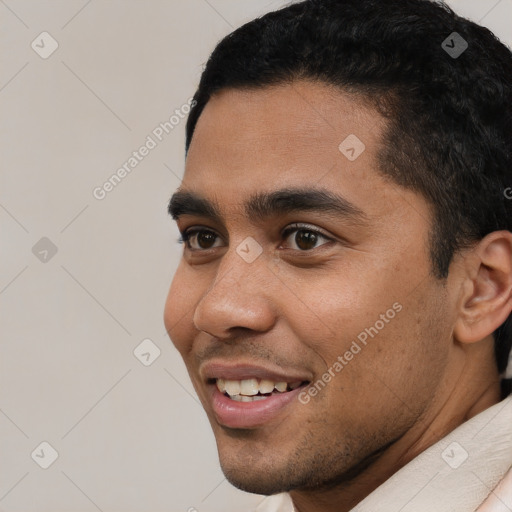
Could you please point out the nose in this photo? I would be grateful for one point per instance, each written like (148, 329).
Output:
(238, 298)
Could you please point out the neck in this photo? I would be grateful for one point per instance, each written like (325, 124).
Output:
(468, 388)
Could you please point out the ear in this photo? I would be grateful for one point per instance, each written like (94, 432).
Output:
(486, 292)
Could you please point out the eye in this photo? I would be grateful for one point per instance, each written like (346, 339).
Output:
(305, 239)
(204, 237)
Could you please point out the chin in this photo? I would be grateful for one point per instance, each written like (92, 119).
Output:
(267, 467)
(255, 480)
(255, 467)
(272, 469)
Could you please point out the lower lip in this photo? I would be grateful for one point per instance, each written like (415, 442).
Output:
(233, 414)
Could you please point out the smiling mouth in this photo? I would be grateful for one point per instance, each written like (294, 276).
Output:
(251, 390)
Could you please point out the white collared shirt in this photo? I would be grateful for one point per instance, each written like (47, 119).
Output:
(456, 474)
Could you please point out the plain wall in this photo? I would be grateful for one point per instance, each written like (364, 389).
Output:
(129, 437)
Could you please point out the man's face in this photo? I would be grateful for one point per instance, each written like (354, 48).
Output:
(296, 310)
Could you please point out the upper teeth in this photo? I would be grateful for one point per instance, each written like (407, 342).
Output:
(251, 387)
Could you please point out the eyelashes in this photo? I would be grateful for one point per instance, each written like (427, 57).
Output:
(190, 234)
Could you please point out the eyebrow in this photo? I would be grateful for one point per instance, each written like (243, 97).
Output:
(265, 205)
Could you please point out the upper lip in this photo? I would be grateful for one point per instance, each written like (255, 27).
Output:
(218, 369)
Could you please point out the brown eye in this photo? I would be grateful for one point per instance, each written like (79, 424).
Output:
(305, 238)
(204, 238)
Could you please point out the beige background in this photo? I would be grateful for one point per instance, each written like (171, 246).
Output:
(129, 437)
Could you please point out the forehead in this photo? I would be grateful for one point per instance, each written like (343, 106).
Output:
(283, 125)
(289, 136)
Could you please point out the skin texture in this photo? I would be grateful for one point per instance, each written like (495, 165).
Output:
(427, 371)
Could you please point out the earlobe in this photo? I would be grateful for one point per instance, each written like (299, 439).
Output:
(486, 293)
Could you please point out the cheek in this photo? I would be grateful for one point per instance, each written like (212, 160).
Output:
(336, 308)
(179, 311)
(369, 319)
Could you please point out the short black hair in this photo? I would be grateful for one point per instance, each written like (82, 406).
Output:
(449, 130)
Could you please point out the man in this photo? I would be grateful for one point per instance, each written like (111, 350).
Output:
(343, 301)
